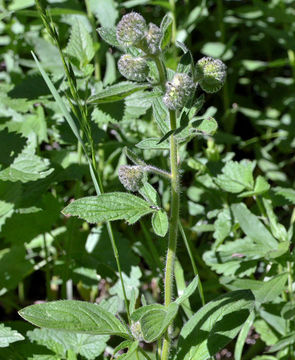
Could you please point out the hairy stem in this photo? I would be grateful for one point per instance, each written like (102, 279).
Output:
(173, 230)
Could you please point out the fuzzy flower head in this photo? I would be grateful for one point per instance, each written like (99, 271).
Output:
(178, 91)
(131, 177)
(152, 39)
(131, 29)
(210, 74)
(133, 68)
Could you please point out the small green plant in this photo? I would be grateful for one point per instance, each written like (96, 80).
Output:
(170, 328)
(176, 101)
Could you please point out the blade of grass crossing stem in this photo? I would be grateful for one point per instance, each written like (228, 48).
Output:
(195, 269)
(243, 336)
(98, 190)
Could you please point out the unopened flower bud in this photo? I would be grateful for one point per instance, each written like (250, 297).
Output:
(151, 41)
(131, 29)
(133, 68)
(136, 330)
(178, 91)
(210, 74)
(131, 176)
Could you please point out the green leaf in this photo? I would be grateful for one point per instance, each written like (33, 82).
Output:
(188, 291)
(11, 144)
(80, 46)
(288, 311)
(13, 267)
(237, 176)
(109, 207)
(152, 144)
(105, 11)
(161, 114)
(116, 92)
(8, 336)
(26, 167)
(208, 126)
(261, 186)
(266, 332)
(75, 316)
(243, 336)
(253, 227)
(148, 192)
(222, 226)
(156, 321)
(214, 326)
(283, 343)
(108, 34)
(287, 193)
(166, 27)
(59, 341)
(264, 291)
(160, 223)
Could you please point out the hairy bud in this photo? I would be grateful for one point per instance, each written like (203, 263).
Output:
(178, 91)
(131, 29)
(136, 330)
(131, 177)
(151, 41)
(133, 68)
(210, 74)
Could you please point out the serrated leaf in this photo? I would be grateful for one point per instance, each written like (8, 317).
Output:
(26, 167)
(105, 11)
(116, 92)
(253, 227)
(222, 226)
(160, 223)
(11, 144)
(80, 46)
(108, 34)
(75, 316)
(214, 326)
(8, 336)
(59, 341)
(287, 193)
(237, 176)
(152, 144)
(109, 207)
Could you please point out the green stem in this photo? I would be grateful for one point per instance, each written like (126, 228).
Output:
(47, 270)
(173, 13)
(97, 72)
(195, 269)
(173, 230)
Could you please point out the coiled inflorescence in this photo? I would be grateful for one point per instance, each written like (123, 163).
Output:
(131, 29)
(131, 176)
(133, 68)
(152, 39)
(178, 91)
(210, 73)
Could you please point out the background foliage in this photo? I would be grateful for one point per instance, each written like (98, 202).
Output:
(237, 186)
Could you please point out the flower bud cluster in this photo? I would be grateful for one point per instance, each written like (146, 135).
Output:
(133, 68)
(131, 177)
(178, 91)
(210, 74)
(133, 30)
